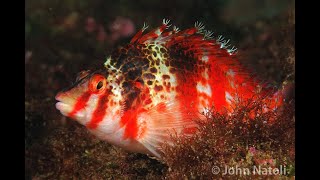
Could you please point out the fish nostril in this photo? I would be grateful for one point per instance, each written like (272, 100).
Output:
(58, 97)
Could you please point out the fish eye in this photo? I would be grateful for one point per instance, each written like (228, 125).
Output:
(97, 83)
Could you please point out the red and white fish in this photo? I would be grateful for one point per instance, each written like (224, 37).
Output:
(157, 85)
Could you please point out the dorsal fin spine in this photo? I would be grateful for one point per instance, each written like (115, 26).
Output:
(139, 33)
(156, 32)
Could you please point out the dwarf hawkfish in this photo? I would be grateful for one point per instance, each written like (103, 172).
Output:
(159, 84)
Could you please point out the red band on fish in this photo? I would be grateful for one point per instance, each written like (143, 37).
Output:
(99, 112)
(129, 120)
(218, 82)
(187, 91)
(80, 104)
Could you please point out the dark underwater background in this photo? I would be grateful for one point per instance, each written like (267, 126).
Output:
(63, 37)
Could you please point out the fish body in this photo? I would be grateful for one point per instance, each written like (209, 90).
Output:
(158, 85)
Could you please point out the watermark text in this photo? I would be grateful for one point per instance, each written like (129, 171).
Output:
(255, 170)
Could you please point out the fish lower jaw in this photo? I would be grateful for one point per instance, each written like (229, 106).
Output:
(65, 109)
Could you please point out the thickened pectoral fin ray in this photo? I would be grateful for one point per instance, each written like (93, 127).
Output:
(164, 121)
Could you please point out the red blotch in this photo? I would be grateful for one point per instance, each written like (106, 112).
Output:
(145, 97)
(161, 107)
(148, 101)
(126, 117)
(80, 104)
(187, 92)
(218, 83)
(138, 85)
(168, 86)
(158, 88)
(99, 112)
(165, 76)
(129, 122)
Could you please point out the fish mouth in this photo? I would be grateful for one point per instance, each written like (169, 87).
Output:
(62, 106)
(65, 106)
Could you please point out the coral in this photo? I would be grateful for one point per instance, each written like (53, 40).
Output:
(235, 141)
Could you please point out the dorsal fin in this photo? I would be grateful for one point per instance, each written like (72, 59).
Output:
(196, 34)
(199, 52)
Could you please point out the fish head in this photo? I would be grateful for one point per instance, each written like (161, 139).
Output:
(81, 99)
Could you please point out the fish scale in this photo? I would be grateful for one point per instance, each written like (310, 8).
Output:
(159, 84)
